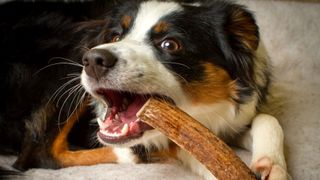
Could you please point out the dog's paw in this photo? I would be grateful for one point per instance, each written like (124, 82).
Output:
(266, 169)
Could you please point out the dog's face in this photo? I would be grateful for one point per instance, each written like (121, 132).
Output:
(193, 55)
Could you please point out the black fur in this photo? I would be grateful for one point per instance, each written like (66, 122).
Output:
(32, 35)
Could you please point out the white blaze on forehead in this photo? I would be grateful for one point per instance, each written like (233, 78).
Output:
(148, 15)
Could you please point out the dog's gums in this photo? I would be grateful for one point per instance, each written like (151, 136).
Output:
(120, 123)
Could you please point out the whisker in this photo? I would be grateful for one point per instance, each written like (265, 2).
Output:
(66, 92)
(94, 140)
(70, 92)
(65, 59)
(69, 77)
(83, 97)
(74, 74)
(77, 91)
(176, 63)
(179, 76)
(55, 64)
(79, 100)
(56, 93)
(84, 48)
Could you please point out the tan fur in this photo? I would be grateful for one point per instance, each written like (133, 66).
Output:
(66, 158)
(243, 27)
(161, 26)
(126, 21)
(216, 80)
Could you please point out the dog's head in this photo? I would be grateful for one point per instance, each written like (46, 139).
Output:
(193, 55)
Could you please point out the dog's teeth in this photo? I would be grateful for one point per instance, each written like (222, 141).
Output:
(123, 107)
(110, 134)
(125, 129)
(117, 117)
(101, 124)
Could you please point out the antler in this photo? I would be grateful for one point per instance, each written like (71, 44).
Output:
(192, 136)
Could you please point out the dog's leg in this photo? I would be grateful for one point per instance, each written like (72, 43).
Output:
(265, 140)
(66, 157)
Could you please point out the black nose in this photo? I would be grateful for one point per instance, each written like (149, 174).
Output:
(97, 62)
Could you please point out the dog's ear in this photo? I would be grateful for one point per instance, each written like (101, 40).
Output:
(241, 40)
(241, 28)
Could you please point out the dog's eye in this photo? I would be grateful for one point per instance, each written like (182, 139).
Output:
(116, 38)
(170, 45)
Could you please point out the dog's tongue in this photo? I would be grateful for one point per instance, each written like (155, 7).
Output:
(133, 108)
(121, 123)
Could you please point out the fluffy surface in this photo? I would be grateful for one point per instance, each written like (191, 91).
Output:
(290, 31)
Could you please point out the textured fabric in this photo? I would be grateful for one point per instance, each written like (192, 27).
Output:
(290, 31)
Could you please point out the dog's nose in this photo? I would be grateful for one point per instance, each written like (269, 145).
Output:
(97, 62)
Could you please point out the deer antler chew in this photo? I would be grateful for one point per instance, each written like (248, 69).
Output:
(192, 136)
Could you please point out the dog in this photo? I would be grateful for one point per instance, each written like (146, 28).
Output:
(205, 57)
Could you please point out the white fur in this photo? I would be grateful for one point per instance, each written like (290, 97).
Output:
(222, 117)
(125, 156)
(267, 139)
(146, 19)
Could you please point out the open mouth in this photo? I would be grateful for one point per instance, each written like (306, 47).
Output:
(120, 123)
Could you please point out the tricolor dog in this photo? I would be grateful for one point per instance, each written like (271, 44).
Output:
(205, 57)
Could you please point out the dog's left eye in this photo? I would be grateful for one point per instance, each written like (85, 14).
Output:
(170, 45)
(116, 38)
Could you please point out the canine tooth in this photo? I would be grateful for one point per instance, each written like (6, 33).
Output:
(117, 117)
(125, 129)
(101, 124)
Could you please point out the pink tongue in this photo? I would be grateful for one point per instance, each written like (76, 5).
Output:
(133, 108)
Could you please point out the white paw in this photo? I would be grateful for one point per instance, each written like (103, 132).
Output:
(268, 170)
